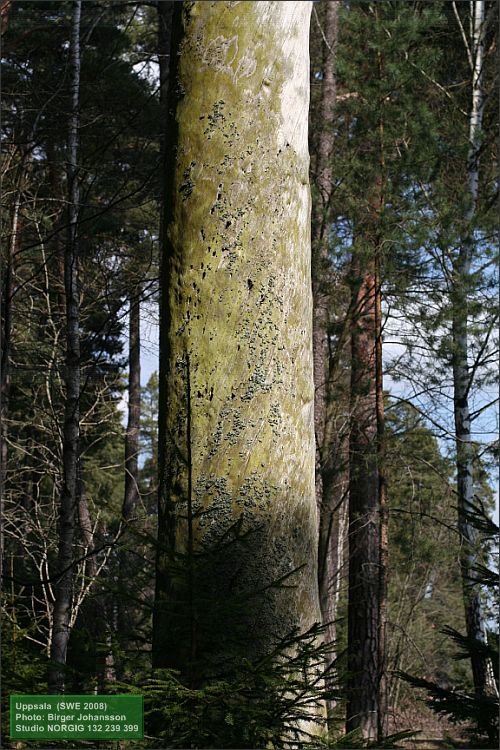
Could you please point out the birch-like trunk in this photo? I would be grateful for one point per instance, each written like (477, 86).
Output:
(236, 369)
(63, 587)
(461, 375)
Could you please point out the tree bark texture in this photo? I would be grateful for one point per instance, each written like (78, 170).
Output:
(236, 372)
(364, 536)
(461, 377)
(63, 588)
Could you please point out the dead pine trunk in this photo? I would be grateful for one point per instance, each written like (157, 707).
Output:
(364, 530)
(236, 429)
(63, 586)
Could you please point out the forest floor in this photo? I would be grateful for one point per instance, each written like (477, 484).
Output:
(433, 731)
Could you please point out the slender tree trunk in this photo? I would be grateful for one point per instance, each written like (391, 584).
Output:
(165, 10)
(364, 520)
(63, 588)
(461, 376)
(377, 209)
(321, 271)
(134, 408)
(326, 497)
(6, 344)
(58, 239)
(124, 617)
(383, 709)
(86, 530)
(236, 443)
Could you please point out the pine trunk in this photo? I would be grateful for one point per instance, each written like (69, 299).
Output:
(236, 442)
(364, 529)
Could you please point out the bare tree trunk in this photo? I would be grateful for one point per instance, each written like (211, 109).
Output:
(134, 408)
(236, 441)
(63, 588)
(364, 521)
(461, 377)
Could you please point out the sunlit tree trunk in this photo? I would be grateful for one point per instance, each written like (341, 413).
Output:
(236, 443)
(63, 587)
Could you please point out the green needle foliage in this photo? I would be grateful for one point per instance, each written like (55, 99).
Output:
(458, 704)
(270, 702)
(262, 704)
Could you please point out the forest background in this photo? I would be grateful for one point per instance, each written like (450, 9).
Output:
(403, 137)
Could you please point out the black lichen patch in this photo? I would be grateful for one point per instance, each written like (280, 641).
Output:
(215, 118)
(187, 185)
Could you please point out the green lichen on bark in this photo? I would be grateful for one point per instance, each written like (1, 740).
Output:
(239, 305)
